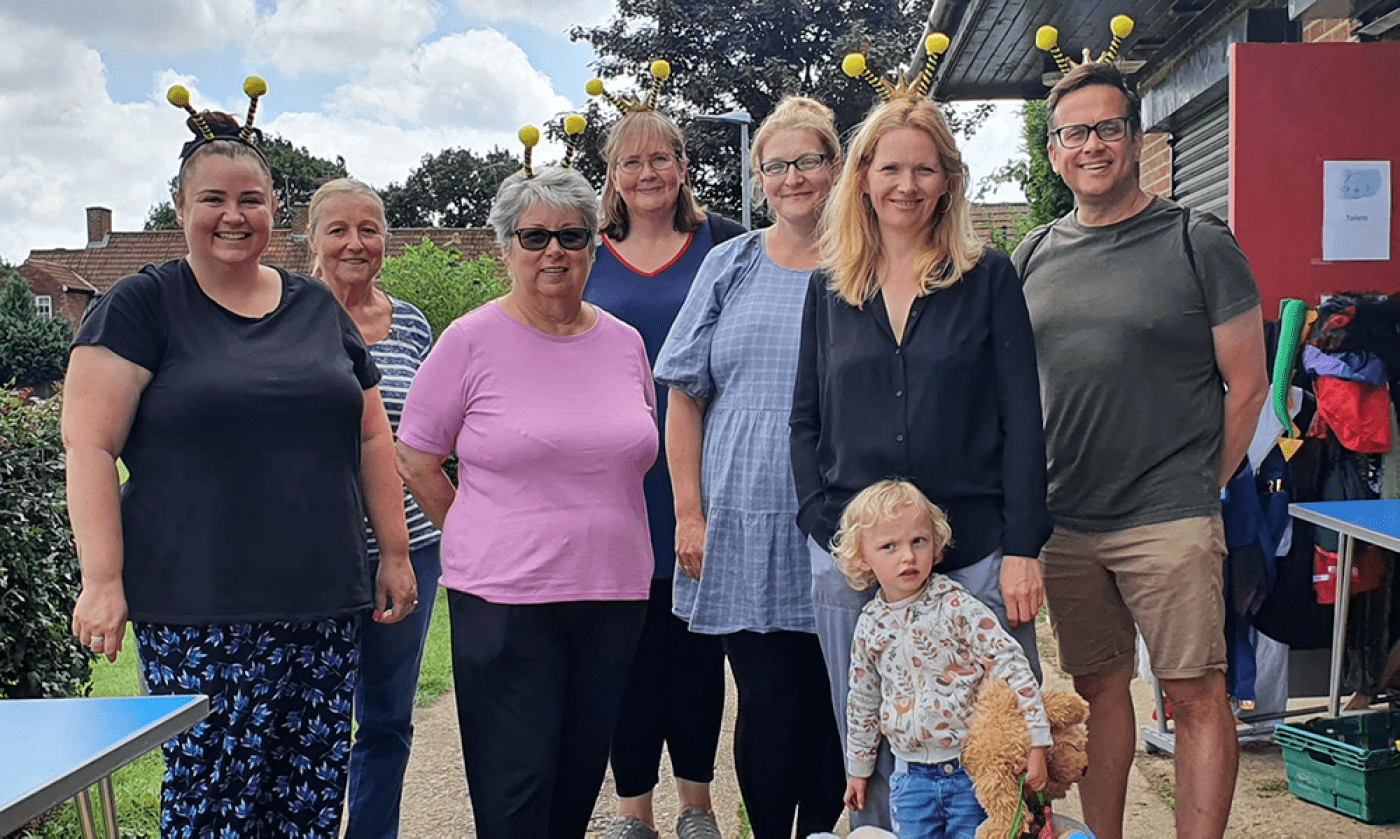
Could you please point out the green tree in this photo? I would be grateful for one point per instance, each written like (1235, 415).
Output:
(296, 174)
(748, 56)
(38, 565)
(439, 283)
(453, 188)
(1046, 193)
(33, 348)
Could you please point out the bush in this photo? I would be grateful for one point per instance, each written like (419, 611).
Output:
(439, 283)
(33, 348)
(39, 657)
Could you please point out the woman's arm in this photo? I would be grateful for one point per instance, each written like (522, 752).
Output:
(431, 488)
(685, 422)
(805, 422)
(101, 392)
(396, 590)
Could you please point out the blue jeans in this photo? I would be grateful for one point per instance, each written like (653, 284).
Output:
(934, 801)
(384, 691)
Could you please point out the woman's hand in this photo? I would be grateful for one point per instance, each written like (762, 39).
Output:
(99, 618)
(395, 591)
(1036, 776)
(690, 544)
(855, 793)
(1022, 590)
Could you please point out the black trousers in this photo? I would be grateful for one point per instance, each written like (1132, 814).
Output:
(675, 696)
(787, 752)
(538, 689)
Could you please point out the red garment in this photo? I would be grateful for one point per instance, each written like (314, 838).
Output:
(1367, 571)
(1359, 414)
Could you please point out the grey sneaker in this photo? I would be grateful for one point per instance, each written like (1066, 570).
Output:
(697, 823)
(629, 827)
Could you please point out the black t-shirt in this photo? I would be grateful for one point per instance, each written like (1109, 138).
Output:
(244, 497)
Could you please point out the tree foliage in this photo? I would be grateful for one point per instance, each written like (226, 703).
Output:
(1046, 193)
(39, 565)
(748, 56)
(439, 283)
(33, 348)
(453, 188)
(296, 174)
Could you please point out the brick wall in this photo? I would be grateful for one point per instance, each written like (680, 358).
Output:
(1329, 29)
(1156, 164)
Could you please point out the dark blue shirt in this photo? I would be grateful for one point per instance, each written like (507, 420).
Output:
(650, 303)
(954, 408)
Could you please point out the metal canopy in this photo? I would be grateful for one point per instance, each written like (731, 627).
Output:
(993, 53)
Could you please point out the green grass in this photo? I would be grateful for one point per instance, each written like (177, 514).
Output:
(137, 785)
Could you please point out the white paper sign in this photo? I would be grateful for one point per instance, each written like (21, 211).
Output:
(1355, 210)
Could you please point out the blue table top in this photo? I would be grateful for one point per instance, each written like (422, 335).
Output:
(1377, 522)
(52, 748)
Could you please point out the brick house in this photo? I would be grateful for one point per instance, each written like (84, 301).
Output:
(65, 281)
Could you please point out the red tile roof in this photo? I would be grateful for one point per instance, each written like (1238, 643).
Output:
(1003, 217)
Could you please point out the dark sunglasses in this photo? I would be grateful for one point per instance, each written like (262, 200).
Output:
(537, 238)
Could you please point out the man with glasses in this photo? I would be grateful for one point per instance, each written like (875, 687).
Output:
(1151, 355)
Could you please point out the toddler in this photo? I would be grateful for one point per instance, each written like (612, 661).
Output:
(920, 653)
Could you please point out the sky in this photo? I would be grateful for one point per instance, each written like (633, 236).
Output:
(84, 121)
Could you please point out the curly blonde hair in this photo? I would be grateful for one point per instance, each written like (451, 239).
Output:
(877, 503)
(851, 244)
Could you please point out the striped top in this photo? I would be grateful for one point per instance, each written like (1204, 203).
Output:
(398, 357)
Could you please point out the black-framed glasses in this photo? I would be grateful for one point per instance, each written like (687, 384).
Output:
(657, 162)
(537, 238)
(806, 163)
(1109, 130)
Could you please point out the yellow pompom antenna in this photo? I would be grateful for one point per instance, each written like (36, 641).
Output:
(574, 124)
(255, 87)
(934, 46)
(595, 88)
(1121, 26)
(660, 69)
(1047, 39)
(530, 137)
(178, 96)
(854, 66)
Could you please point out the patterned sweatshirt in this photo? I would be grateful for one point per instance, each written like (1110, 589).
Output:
(915, 677)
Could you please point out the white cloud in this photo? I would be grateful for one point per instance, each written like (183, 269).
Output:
(477, 78)
(548, 15)
(67, 145)
(188, 25)
(333, 35)
(996, 142)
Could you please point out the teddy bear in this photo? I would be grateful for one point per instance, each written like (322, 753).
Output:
(994, 754)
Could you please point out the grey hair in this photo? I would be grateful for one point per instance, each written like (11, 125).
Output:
(555, 186)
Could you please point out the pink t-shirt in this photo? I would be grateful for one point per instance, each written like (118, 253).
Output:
(553, 434)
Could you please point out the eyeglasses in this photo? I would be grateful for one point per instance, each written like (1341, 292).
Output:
(537, 238)
(1109, 130)
(806, 163)
(657, 162)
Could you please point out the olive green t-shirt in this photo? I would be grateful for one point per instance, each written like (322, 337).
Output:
(1133, 401)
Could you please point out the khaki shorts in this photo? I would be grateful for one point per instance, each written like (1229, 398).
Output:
(1165, 579)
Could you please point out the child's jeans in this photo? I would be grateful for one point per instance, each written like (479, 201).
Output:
(934, 801)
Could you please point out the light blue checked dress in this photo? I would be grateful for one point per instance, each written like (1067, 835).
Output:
(734, 345)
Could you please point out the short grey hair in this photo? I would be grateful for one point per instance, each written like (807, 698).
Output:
(558, 187)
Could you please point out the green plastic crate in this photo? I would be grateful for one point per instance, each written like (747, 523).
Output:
(1348, 764)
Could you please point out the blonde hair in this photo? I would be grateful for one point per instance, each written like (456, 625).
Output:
(875, 504)
(851, 245)
(793, 113)
(334, 189)
(642, 126)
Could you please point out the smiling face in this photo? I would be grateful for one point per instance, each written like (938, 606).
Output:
(797, 196)
(900, 551)
(541, 278)
(348, 239)
(225, 206)
(905, 180)
(648, 189)
(1096, 172)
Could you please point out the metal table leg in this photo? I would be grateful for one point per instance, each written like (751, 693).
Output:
(109, 805)
(1339, 622)
(85, 815)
